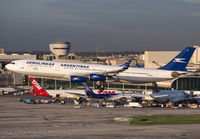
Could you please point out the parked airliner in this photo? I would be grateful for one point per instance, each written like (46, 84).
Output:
(90, 94)
(38, 90)
(174, 96)
(162, 96)
(80, 72)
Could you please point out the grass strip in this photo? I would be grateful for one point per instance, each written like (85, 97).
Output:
(165, 120)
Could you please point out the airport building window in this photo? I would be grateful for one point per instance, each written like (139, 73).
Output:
(189, 83)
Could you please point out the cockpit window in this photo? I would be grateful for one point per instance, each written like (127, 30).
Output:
(12, 62)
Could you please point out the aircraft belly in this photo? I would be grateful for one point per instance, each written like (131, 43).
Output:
(45, 74)
(140, 79)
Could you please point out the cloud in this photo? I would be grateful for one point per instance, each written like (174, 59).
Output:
(106, 24)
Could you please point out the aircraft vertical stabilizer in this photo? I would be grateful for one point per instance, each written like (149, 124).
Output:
(180, 62)
(88, 91)
(37, 89)
(155, 88)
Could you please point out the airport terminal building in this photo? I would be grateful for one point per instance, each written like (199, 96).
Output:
(186, 83)
(8, 78)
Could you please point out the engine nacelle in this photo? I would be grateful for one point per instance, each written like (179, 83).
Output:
(175, 74)
(77, 79)
(97, 77)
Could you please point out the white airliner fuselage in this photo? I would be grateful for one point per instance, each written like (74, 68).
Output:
(59, 69)
(79, 72)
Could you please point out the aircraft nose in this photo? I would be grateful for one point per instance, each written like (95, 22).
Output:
(8, 66)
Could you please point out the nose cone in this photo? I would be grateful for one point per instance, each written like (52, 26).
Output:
(9, 66)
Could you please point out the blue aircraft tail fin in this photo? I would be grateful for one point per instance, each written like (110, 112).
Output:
(180, 62)
(88, 90)
(126, 65)
(155, 88)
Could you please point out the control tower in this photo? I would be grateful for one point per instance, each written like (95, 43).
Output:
(60, 49)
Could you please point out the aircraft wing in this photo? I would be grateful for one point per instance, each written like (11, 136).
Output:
(128, 96)
(114, 72)
(108, 73)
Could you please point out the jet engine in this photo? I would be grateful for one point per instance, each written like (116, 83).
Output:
(97, 77)
(175, 74)
(77, 79)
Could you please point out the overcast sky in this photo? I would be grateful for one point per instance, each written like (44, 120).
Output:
(109, 25)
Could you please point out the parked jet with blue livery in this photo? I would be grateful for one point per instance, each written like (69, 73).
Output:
(90, 94)
(80, 72)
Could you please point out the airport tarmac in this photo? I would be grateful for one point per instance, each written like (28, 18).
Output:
(20, 120)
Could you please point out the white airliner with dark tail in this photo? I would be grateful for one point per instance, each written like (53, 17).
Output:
(80, 72)
(174, 96)
(90, 94)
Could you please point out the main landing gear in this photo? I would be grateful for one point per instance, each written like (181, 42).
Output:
(99, 85)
